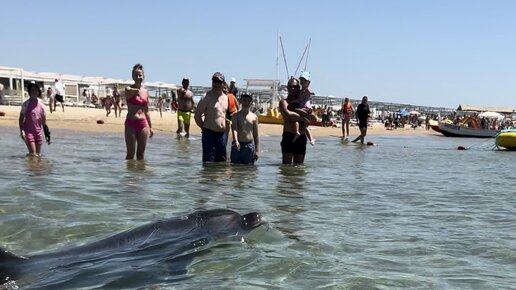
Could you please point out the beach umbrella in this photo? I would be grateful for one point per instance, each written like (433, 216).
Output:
(491, 115)
(414, 112)
(403, 112)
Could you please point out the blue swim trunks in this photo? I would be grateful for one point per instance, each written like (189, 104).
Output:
(213, 149)
(245, 155)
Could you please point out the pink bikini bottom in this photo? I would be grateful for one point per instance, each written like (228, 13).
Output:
(136, 124)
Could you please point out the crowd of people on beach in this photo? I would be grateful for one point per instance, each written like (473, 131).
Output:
(221, 113)
(481, 122)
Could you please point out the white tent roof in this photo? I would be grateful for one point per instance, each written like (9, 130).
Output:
(491, 115)
(12, 72)
(160, 85)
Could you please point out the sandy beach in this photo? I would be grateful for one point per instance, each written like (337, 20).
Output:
(85, 119)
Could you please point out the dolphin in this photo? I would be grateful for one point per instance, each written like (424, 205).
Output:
(163, 240)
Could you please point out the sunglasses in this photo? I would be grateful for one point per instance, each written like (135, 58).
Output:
(215, 80)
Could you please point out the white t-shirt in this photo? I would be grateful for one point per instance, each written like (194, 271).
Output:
(59, 88)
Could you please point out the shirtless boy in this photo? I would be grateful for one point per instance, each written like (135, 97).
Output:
(245, 147)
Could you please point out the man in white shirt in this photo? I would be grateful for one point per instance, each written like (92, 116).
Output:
(59, 89)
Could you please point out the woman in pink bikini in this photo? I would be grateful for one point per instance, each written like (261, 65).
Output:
(138, 126)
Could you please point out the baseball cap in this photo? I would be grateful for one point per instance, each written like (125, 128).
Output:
(219, 76)
(306, 75)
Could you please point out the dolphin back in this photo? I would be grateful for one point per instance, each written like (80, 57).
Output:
(9, 262)
(172, 240)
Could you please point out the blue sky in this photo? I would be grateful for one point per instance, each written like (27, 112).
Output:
(435, 53)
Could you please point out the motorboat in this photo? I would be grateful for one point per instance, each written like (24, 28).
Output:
(465, 129)
(434, 125)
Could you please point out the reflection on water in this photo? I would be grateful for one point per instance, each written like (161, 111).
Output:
(137, 166)
(214, 172)
(292, 180)
(38, 165)
(405, 214)
(291, 186)
(184, 144)
(243, 176)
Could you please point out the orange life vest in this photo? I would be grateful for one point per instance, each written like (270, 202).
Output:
(232, 104)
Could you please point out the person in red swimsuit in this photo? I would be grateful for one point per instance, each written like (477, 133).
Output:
(347, 112)
(138, 127)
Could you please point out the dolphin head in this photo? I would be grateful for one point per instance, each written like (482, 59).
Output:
(224, 222)
(251, 220)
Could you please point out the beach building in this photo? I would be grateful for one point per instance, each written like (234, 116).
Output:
(480, 109)
(15, 80)
(266, 92)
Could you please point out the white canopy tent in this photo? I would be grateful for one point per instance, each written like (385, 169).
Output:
(491, 115)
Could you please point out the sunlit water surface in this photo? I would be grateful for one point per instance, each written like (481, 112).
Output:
(410, 213)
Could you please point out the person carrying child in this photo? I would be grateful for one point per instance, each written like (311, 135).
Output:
(32, 121)
(303, 107)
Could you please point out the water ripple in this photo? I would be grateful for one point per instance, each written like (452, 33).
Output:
(410, 213)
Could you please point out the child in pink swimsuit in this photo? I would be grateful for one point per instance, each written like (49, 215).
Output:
(32, 121)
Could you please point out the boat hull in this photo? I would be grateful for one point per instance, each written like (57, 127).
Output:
(506, 139)
(435, 128)
(434, 125)
(452, 130)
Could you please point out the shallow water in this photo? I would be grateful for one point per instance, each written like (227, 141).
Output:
(410, 213)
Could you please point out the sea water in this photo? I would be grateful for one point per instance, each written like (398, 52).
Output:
(412, 212)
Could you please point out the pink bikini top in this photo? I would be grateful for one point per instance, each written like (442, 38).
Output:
(139, 100)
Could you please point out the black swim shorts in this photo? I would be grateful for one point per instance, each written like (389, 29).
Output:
(59, 98)
(362, 123)
(290, 147)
